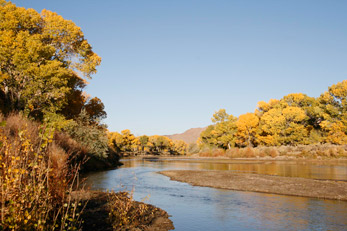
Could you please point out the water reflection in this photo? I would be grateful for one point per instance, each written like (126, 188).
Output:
(199, 208)
(313, 170)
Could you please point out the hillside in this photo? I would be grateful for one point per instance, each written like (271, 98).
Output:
(189, 136)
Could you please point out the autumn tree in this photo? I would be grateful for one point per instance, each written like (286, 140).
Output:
(294, 129)
(143, 141)
(270, 125)
(222, 133)
(42, 56)
(180, 147)
(247, 125)
(220, 116)
(95, 109)
(333, 105)
(283, 121)
(264, 107)
(207, 137)
(294, 119)
(115, 140)
(129, 142)
(160, 144)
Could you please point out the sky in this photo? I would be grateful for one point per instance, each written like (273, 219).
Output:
(168, 66)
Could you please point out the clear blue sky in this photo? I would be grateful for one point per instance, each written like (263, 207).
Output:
(169, 65)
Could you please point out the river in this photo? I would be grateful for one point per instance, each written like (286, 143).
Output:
(201, 208)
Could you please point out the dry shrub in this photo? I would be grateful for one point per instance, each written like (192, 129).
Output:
(70, 146)
(232, 153)
(341, 152)
(35, 189)
(332, 152)
(127, 214)
(273, 152)
(77, 153)
(248, 152)
(218, 152)
(15, 124)
(59, 170)
(261, 153)
(193, 148)
(300, 151)
(205, 154)
(284, 150)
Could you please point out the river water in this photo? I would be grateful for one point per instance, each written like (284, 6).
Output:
(202, 208)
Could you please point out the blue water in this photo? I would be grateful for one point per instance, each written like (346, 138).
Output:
(202, 208)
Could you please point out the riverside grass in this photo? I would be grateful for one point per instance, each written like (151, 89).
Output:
(312, 151)
(36, 181)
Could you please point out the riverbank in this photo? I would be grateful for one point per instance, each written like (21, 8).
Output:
(311, 151)
(292, 186)
(224, 159)
(118, 211)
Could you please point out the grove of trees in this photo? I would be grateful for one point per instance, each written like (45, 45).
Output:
(49, 127)
(295, 119)
(45, 61)
(127, 144)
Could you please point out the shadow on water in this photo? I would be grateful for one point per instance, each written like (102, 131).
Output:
(201, 208)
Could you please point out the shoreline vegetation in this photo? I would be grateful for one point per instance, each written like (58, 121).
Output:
(288, 152)
(40, 188)
(107, 211)
(292, 186)
(51, 130)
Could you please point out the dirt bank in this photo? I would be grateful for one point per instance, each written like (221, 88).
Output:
(325, 189)
(96, 216)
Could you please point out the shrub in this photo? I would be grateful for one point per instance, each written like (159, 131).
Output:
(232, 153)
(248, 152)
(89, 135)
(193, 148)
(273, 153)
(218, 152)
(127, 214)
(35, 182)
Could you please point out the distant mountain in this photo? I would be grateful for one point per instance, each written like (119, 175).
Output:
(189, 136)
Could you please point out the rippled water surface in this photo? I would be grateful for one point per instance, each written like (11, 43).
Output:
(201, 208)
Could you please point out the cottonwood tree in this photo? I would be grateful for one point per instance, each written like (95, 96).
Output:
(247, 125)
(43, 57)
(334, 113)
(222, 133)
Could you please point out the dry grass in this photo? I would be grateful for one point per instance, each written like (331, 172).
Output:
(217, 152)
(127, 214)
(318, 151)
(36, 182)
(38, 173)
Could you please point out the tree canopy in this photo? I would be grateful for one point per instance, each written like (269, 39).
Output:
(127, 144)
(294, 119)
(44, 61)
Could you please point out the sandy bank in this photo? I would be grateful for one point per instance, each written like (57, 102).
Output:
(293, 186)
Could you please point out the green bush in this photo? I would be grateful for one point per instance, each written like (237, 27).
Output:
(90, 135)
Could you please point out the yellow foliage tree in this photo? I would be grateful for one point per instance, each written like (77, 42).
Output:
(41, 55)
(294, 131)
(334, 113)
(180, 147)
(247, 125)
(263, 107)
(271, 124)
(129, 141)
(222, 133)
